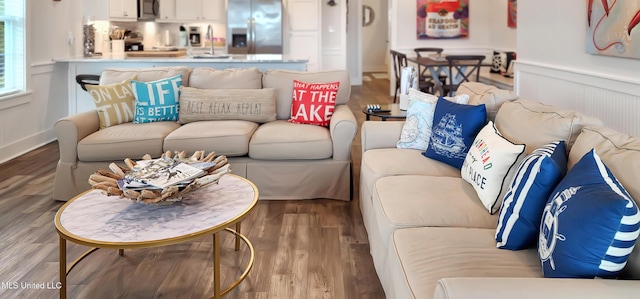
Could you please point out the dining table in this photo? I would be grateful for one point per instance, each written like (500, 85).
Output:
(438, 65)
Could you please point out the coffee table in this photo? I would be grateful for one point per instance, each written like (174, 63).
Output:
(96, 220)
(388, 111)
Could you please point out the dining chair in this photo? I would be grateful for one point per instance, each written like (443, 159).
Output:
(399, 61)
(424, 74)
(462, 68)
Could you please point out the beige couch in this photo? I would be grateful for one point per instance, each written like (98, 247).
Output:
(284, 160)
(431, 237)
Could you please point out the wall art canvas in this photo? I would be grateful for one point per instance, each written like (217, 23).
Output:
(512, 14)
(612, 28)
(440, 19)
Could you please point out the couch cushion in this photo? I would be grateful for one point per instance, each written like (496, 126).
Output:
(234, 78)
(196, 104)
(487, 163)
(114, 75)
(278, 140)
(589, 225)
(282, 81)
(126, 140)
(419, 257)
(455, 126)
(536, 124)
(225, 137)
(533, 181)
(621, 153)
(489, 95)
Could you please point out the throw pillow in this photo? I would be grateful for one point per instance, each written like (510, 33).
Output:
(454, 128)
(487, 164)
(157, 100)
(416, 130)
(589, 225)
(114, 102)
(313, 103)
(536, 177)
(257, 105)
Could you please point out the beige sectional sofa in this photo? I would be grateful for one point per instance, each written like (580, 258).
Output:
(285, 160)
(430, 235)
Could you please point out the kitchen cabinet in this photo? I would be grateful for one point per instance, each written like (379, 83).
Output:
(167, 11)
(123, 10)
(201, 10)
(303, 31)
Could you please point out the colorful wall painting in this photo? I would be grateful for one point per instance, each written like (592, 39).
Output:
(613, 28)
(512, 14)
(442, 19)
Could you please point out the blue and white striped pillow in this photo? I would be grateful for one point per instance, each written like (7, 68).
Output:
(157, 100)
(522, 206)
(590, 224)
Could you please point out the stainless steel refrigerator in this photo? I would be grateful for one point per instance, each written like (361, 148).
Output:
(254, 26)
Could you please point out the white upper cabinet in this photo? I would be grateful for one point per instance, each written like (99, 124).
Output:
(201, 10)
(123, 10)
(167, 10)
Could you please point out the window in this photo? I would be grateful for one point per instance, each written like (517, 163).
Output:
(12, 48)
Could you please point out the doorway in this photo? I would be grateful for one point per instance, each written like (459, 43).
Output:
(375, 41)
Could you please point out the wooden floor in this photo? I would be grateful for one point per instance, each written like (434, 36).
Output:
(304, 248)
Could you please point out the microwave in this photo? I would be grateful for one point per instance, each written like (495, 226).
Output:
(148, 9)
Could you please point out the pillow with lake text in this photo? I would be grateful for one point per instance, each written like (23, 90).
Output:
(313, 103)
(157, 100)
(114, 102)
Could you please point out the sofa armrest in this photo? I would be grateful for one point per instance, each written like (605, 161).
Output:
(380, 134)
(71, 129)
(525, 288)
(342, 127)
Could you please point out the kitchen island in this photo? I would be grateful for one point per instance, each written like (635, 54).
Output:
(80, 100)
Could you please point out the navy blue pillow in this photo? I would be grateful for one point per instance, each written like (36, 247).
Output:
(522, 206)
(589, 225)
(455, 126)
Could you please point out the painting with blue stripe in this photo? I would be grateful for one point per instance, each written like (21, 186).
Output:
(589, 225)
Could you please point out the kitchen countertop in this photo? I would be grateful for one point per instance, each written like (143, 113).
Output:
(235, 58)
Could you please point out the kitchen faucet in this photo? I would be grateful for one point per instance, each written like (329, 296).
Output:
(209, 37)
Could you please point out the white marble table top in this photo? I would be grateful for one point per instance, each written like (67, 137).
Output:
(97, 219)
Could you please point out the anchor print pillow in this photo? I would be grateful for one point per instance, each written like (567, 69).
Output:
(487, 164)
(157, 100)
(454, 128)
(313, 103)
(589, 225)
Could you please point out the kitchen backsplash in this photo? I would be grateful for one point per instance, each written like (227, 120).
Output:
(154, 33)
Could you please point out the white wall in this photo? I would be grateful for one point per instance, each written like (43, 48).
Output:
(553, 66)
(26, 121)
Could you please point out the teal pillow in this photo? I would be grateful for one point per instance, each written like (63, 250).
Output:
(157, 100)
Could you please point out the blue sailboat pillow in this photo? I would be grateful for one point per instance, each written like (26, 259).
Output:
(454, 128)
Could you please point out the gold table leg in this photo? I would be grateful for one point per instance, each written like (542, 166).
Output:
(63, 268)
(216, 266)
(238, 236)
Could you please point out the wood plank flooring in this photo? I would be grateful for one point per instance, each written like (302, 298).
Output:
(304, 248)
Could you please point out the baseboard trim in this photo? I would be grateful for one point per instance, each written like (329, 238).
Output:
(25, 145)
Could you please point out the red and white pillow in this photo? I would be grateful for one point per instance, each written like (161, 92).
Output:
(313, 103)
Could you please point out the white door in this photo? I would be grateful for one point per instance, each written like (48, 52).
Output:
(374, 36)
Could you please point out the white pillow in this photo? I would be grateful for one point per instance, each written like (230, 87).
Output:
(416, 95)
(416, 130)
(487, 163)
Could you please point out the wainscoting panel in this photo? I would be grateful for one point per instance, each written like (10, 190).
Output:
(614, 100)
